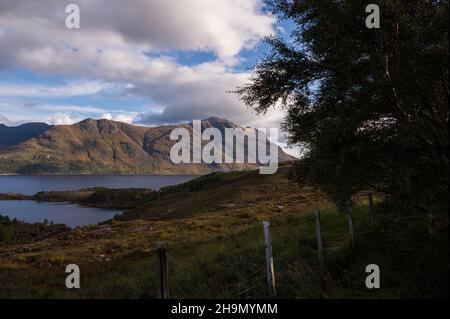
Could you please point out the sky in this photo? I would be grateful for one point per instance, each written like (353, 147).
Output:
(148, 63)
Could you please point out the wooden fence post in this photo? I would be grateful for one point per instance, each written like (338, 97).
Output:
(319, 239)
(371, 210)
(270, 271)
(350, 224)
(162, 275)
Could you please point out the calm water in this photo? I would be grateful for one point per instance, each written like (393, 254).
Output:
(30, 185)
(71, 214)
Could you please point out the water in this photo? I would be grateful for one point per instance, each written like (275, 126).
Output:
(72, 215)
(31, 184)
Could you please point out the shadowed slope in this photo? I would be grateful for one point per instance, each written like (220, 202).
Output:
(10, 136)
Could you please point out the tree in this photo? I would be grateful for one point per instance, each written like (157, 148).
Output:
(369, 105)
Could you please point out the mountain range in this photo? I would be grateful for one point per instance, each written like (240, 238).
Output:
(102, 146)
(10, 136)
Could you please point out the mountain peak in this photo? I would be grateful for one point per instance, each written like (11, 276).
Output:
(87, 120)
(216, 119)
(218, 123)
(104, 146)
(213, 121)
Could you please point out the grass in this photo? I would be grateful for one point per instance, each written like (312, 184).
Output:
(217, 252)
(232, 266)
(14, 231)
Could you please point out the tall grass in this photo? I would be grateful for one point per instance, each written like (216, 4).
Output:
(232, 266)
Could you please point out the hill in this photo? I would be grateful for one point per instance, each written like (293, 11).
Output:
(10, 136)
(104, 146)
(218, 251)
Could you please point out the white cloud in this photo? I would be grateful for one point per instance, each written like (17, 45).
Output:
(63, 119)
(128, 43)
(78, 88)
(4, 120)
(224, 27)
(66, 108)
(120, 117)
(59, 118)
(59, 114)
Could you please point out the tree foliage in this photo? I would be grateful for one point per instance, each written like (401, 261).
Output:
(370, 105)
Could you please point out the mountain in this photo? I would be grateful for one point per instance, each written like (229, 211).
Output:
(104, 146)
(10, 136)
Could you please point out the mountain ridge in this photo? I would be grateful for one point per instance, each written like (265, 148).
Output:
(106, 146)
(12, 135)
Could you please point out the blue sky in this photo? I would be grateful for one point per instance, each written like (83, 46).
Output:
(111, 98)
(144, 62)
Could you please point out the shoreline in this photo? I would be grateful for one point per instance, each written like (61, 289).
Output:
(81, 197)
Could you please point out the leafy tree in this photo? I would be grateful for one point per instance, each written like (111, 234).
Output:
(369, 105)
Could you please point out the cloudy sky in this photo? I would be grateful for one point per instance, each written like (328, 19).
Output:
(144, 62)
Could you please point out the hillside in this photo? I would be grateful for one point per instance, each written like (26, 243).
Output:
(10, 136)
(104, 146)
(217, 251)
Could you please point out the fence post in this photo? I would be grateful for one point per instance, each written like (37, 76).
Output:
(319, 239)
(371, 210)
(162, 274)
(350, 225)
(270, 271)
